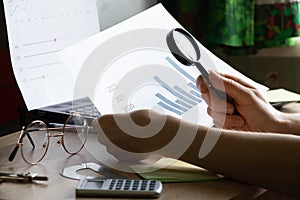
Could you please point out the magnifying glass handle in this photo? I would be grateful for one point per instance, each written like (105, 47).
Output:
(202, 70)
(221, 94)
(205, 75)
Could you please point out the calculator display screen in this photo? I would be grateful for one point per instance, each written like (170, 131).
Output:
(93, 184)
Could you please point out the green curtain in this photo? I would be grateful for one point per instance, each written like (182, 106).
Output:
(240, 26)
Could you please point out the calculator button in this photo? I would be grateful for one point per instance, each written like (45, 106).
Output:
(127, 185)
(112, 184)
(151, 188)
(152, 185)
(119, 184)
(134, 187)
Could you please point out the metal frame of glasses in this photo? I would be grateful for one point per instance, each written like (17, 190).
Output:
(35, 138)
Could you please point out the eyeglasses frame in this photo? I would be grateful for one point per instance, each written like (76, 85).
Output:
(49, 135)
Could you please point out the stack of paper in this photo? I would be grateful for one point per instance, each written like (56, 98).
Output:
(281, 95)
(170, 170)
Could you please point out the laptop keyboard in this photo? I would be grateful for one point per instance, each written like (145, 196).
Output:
(88, 111)
(58, 113)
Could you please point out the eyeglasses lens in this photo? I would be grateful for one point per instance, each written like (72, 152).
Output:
(35, 142)
(75, 133)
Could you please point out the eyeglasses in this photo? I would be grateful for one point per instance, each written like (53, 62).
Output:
(34, 139)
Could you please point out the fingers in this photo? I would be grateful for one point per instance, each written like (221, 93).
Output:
(226, 121)
(212, 100)
(234, 87)
(237, 79)
(200, 83)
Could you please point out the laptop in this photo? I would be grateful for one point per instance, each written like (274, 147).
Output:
(58, 113)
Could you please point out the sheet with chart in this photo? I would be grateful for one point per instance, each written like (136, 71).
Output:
(37, 30)
(129, 67)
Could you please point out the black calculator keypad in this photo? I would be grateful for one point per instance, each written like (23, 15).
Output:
(125, 184)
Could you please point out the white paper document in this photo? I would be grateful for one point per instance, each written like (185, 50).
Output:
(281, 95)
(129, 67)
(37, 30)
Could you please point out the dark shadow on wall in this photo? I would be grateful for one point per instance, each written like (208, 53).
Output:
(11, 101)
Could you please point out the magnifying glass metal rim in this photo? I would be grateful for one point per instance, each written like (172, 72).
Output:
(181, 57)
(177, 53)
(188, 62)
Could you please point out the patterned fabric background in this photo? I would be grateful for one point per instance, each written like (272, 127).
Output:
(240, 26)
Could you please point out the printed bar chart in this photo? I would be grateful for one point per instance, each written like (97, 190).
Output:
(184, 100)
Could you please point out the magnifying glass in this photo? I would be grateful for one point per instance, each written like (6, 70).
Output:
(185, 49)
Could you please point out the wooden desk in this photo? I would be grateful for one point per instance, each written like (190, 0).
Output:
(59, 187)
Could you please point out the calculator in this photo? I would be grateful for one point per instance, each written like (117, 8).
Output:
(99, 187)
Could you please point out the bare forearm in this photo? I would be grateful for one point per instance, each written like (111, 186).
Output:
(268, 160)
(290, 124)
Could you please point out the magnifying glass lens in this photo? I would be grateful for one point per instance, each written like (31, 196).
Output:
(185, 46)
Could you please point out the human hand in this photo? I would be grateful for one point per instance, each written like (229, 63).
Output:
(135, 136)
(248, 110)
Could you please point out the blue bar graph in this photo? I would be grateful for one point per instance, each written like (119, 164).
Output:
(185, 100)
(171, 103)
(197, 94)
(193, 85)
(182, 103)
(177, 88)
(162, 104)
(182, 71)
(167, 87)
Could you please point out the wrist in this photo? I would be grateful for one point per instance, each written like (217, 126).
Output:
(289, 123)
(191, 155)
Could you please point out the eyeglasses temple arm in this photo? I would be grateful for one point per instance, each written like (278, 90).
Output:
(13, 153)
(15, 150)
(30, 139)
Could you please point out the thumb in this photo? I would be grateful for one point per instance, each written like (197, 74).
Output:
(232, 86)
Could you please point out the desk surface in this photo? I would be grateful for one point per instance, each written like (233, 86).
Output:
(58, 187)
